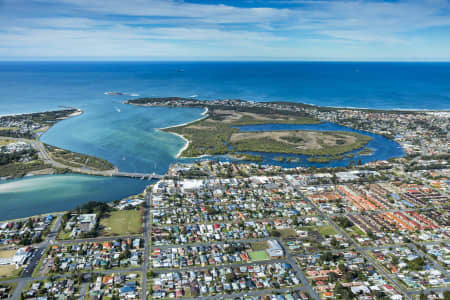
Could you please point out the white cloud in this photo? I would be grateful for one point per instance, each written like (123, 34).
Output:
(175, 28)
(167, 8)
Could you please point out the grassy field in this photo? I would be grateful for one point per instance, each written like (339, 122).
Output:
(9, 271)
(206, 137)
(78, 160)
(187, 292)
(287, 233)
(7, 253)
(212, 135)
(258, 255)
(326, 230)
(9, 128)
(299, 142)
(6, 142)
(355, 231)
(122, 222)
(63, 235)
(258, 246)
(323, 230)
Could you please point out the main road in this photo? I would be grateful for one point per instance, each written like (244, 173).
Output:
(147, 241)
(36, 257)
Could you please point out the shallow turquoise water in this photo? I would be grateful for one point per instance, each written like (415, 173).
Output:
(126, 135)
(52, 193)
(129, 139)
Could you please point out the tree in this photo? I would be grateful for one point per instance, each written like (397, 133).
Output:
(332, 277)
(395, 260)
(342, 268)
(327, 256)
(416, 264)
(447, 295)
(348, 276)
(125, 254)
(334, 242)
(276, 233)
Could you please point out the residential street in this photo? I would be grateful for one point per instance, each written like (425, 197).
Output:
(288, 257)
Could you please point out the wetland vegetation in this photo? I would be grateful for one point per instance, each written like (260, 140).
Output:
(216, 134)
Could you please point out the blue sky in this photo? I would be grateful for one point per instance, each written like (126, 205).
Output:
(225, 30)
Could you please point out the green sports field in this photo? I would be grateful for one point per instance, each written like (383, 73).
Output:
(258, 255)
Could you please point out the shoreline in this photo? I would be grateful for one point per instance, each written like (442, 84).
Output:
(392, 109)
(186, 145)
(77, 113)
(52, 169)
(68, 210)
(203, 114)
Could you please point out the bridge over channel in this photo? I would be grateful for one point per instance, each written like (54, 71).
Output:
(138, 175)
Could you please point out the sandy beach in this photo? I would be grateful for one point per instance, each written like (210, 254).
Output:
(77, 113)
(186, 145)
(204, 114)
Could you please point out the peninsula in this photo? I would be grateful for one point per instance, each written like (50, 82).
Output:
(218, 133)
(22, 153)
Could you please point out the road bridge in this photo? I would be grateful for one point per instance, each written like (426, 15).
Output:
(137, 175)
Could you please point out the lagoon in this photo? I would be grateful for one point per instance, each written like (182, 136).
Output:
(382, 147)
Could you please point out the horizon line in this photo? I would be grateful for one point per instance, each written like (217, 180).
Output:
(225, 61)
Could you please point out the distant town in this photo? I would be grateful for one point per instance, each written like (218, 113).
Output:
(238, 229)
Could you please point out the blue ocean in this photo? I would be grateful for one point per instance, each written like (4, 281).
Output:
(128, 137)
